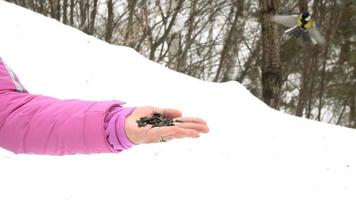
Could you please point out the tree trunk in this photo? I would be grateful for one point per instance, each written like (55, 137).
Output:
(110, 21)
(129, 36)
(271, 70)
(183, 54)
(311, 88)
(42, 8)
(303, 5)
(308, 55)
(72, 6)
(225, 60)
(53, 8)
(237, 30)
(333, 25)
(352, 118)
(84, 12)
(58, 10)
(65, 17)
(93, 17)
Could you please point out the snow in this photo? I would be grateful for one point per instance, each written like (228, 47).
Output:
(252, 152)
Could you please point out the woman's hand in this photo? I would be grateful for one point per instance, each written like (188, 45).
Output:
(184, 126)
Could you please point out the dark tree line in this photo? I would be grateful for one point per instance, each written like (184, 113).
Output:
(233, 40)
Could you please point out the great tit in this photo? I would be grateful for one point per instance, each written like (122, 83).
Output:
(300, 26)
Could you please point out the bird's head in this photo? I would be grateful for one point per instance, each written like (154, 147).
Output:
(305, 16)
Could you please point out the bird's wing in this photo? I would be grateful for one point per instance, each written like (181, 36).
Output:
(315, 35)
(285, 20)
(294, 32)
(298, 32)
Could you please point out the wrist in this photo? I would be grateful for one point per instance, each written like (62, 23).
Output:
(115, 128)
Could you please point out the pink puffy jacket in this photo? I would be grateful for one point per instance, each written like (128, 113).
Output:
(44, 125)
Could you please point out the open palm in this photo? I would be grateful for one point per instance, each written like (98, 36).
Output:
(184, 126)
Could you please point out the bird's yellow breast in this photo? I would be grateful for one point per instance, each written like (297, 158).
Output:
(307, 26)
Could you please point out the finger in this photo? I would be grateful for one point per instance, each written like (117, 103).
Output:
(156, 133)
(190, 119)
(179, 136)
(192, 125)
(191, 133)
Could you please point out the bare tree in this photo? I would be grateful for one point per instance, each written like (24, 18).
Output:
(308, 63)
(54, 5)
(333, 25)
(65, 12)
(71, 16)
(83, 13)
(129, 36)
(110, 20)
(168, 24)
(93, 13)
(225, 59)
(271, 71)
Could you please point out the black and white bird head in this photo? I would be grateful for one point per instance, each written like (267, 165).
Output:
(305, 16)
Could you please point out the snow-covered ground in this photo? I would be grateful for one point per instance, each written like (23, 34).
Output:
(251, 152)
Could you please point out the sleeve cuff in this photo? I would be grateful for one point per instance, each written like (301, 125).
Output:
(115, 128)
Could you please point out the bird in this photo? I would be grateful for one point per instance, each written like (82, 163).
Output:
(302, 25)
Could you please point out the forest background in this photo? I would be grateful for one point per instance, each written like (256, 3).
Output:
(233, 40)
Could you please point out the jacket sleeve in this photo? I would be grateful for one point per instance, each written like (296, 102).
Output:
(43, 125)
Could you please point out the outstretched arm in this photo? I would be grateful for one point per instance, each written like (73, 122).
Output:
(45, 125)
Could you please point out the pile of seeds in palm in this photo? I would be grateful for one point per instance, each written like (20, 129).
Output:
(157, 120)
